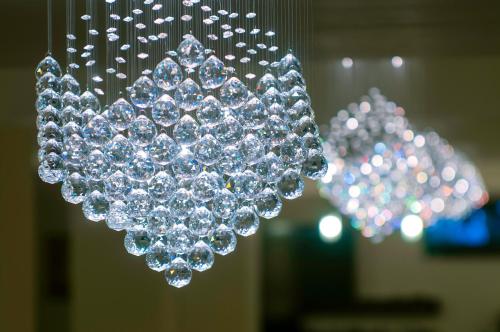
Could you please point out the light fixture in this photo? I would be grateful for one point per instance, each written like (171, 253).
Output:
(397, 62)
(330, 228)
(190, 148)
(382, 170)
(412, 227)
(347, 63)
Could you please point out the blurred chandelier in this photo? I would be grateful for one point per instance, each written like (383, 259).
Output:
(382, 171)
(190, 149)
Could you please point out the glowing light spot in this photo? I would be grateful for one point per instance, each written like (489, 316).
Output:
(330, 228)
(347, 63)
(397, 62)
(412, 227)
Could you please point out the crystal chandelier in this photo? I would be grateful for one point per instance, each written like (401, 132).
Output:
(190, 149)
(382, 170)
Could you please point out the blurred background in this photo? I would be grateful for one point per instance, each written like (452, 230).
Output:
(439, 59)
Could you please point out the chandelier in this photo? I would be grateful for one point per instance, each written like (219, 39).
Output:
(190, 125)
(381, 170)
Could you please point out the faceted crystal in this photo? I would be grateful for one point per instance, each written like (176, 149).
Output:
(179, 239)
(287, 63)
(121, 114)
(315, 166)
(208, 150)
(75, 150)
(50, 131)
(188, 95)
(98, 131)
(299, 110)
(297, 94)
(142, 131)
(48, 98)
(162, 186)
(71, 114)
(181, 204)
(229, 131)
(159, 221)
(89, 101)
(201, 258)
(165, 111)
(139, 203)
(167, 74)
(245, 221)
(272, 96)
(201, 221)
(158, 258)
(252, 149)
(222, 240)
(71, 129)
(293, 150)
(291, 185)
(48, 65)
(246, 185)
(119, 151)
(95, 206)
(254, 114)
(143, 92)
(97, 165)
(71, 99)
(265, 83)
(51, 169)
(232, 160)
(270, 168)
(50, 146)
(306, 126)
(210, 111)
(118, 217)
(74, 188)
(212, 73)
(268, 204)
(178, 273)
(186, 131)
(163, 150)
(137, 243)
(191, 52)
(204, 187)
(117, 186)
(233, 93)
(48, 114)
(141, 166)
(276, 130)
(185, 165)
(48, 81)
(291, 79)
(70, 84)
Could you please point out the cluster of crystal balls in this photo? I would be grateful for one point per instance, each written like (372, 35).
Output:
(190, 160)
(381, 170)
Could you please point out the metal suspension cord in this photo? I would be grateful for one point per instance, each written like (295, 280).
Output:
(49, 27)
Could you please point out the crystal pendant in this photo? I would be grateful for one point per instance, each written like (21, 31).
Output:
(292, 79)
(163, 150)
(222, 240)
(139, 203)
(232, 160)
(254, 114)
(48, 81)
(165, 111)
(179, 239)
(289, 62)
(48, 98)
(51, 169)
(270, 168)
(89, 101)
(178, 273)
(245, 221)
(210, 111)
(291, 185)
(121, 114)
(137, 243)
(119, 151)
(233, 93)
(268, 204)
(265, 83)
(70, 84)
(97, 166)
(117, 186)
(186, 131)
(161, 187)
(159, 221)
(229, 131)
(252, 149)
(315, 166)
(141, 167)
(201, 221)
(191, 52)
(204, 187)
(167, 75)
(208, 150)
(201, 258)
(185, 165)
(98, 132)
(212, 73)
(246, 185)
(48, 65)
(74, 188)
(142, 131)
(158, 258)
(188, 95)
(95, 206)
(143, 92)
(181, 204)
(118, 218)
